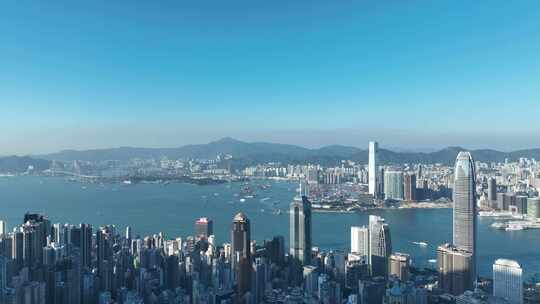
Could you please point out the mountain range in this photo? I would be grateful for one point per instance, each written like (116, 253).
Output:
(245, 153)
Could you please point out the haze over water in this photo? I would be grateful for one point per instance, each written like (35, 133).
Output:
(172, 209)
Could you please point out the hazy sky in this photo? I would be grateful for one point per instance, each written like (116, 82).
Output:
(94, 74)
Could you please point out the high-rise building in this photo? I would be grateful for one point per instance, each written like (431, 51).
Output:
(380, 245)
(372, 168)
(204, 227)
(241, 252)
(399, 265)
(86, 245)
(3, 229)
(492, 189)
(533, 207)
(521, 204)
(455, 267)
(300, 229)
(508, 281)
(393, 185)
(379, 192)
(360, 240)
(464, 197)
(3, 278)
(128, 233)
(409, 185)
(259, 279)
(241, 237)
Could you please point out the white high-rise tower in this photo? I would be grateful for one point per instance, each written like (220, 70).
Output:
(372, 167)
(508, 281)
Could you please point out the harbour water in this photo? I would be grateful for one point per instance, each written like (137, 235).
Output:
(173, 208)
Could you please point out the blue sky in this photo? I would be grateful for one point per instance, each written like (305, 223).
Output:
(410, 74)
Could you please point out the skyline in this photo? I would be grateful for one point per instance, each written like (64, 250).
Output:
(98, 75)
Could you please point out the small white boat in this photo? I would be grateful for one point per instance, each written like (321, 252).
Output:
(242, 200)
(421, 244)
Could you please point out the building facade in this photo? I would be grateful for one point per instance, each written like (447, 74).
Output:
(464, 211)
(372, 167)
(380, 245)
(360, 240)
(508, 281)
(455, 268)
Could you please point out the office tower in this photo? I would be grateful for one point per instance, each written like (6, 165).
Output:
(241, 252)
(455, 267)
(3, 278)
(508, 281)
(533, 207)
(17, 247)
(380, 245)
(36, 229)
(104, 243)
(492, 189)
(86, 245)
(259, 280)
(241, 237)
(399, 264)
(521, 204)
(500, 202)
(393, 185)
(509, 200)
(59, 234)
(300, 229)
(410, 187)
(464, 228)
(360, 240)
(372, 168)
(311, 278)
(128, 233)
(204, 227)
(379, 192)
(3, 230)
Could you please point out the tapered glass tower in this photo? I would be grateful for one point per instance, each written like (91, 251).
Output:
(464, 197)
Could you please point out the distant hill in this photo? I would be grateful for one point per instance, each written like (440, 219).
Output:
(245, 153)
(19, 164)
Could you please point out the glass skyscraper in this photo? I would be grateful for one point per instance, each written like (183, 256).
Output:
(300, 229)
(464, 197)
(380, 245)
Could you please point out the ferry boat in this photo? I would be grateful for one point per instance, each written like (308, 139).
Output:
(499, 225)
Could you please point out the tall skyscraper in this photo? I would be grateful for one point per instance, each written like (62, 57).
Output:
(380, 245)
(508, 281)
(360, 240)
(393, 185)
(372, 168)
(240, 237)
(399, 266)
(455, 266)
(204, 227)
(464, 196)
(241, 252)
(300, 229)
(409, 185)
